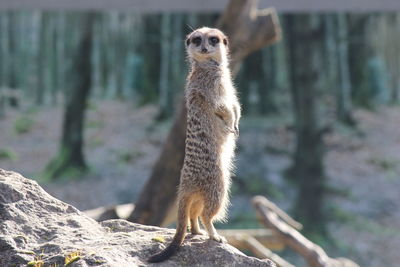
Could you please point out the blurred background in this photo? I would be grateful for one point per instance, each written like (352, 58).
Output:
(89, 93)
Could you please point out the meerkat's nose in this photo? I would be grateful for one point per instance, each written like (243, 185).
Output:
(204, 50)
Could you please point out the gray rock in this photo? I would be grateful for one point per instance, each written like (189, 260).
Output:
(35, 226)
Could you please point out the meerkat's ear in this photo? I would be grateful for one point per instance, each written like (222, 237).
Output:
(225, 40)
(188, 41)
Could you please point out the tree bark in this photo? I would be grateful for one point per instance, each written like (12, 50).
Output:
(12, 51)
(268, 88)
(251, 30)
(344, 101)
(307, 170)
(52, 61)
(164, 84)
(360, 52)
(2, 66)
(121, 52)
(70, 156)
(390, 46)
(42, 58)
(150, 51)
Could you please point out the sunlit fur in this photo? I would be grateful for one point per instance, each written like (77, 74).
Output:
(213, 113)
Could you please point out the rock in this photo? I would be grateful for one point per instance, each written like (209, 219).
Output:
(35, 227)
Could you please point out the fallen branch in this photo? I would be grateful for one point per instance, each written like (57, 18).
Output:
(282, 215)
(258, 241)
(312, 253)
(237, 237)
(262, 252)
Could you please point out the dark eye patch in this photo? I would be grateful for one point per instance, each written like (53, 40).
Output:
(213, 40)
(196, 40)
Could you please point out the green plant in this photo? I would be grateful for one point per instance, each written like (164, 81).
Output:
(129, 156)
(159, 239)
(96, 124)
(23, 124)
(6, 153)
(95, 142)
(72, 257)
(385, 164)
(36, 263)
(340, 215)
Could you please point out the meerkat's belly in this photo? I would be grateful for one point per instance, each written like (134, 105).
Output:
(227, 153)
(209, 146)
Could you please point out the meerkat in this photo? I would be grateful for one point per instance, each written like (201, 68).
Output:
(213, 113)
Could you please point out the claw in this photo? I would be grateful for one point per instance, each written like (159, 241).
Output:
(236, 131)
(218, 238)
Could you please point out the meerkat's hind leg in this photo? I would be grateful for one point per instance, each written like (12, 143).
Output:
(195, 227)
(195, 211)
(212, 206)
(212, 232)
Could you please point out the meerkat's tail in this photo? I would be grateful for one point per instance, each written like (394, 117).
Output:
(183, 218)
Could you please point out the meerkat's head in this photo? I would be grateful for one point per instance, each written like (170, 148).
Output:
(207, 44)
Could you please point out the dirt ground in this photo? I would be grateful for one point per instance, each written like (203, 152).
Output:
(122, 143)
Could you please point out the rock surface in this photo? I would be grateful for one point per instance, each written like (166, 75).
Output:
(35, 227)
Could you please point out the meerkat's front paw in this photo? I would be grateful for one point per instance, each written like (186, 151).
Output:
(231, 130)
(218, 238)
(236, 131)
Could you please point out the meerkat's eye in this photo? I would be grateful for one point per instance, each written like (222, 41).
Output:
(214, 40)
(196, 41)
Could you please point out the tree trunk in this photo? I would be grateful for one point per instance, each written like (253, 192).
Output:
(52, 60)
(344, 103)
(105, 51)
(150, 50)
(12, 51)
(120, 47)
(268, 87)
(2, 66)
(391, 45)
(305, 38)
(61, 48)
(249, 31)
(164, 97)
(42, 58)
(360, 52)
(178, 66)
(70, 156)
